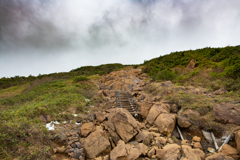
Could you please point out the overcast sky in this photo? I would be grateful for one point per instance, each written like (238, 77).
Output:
(47, 36)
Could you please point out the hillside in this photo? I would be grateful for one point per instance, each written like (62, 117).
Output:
(196, 90)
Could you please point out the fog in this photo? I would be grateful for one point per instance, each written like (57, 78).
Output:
(47, 36)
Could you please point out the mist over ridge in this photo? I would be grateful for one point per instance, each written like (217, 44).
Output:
(40, 36)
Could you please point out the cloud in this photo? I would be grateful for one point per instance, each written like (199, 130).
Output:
(53, 36)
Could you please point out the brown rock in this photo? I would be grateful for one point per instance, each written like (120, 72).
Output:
(142, 148)
(87, 128)
(162, 140)
(219, 156)
(174, 108)
(143, 135)
(145, 107)
(61, 149)
(197, 145)
(166, 123)
(170, 152)
(230, 151)
(123, 123)
(185, 142)
(225, 113)
(220, 91)
(183, 122)
(190, 113)
(188, 153)
(133, 153)
(200, 153)
(154, 112)
(100, 116)
(196, 139)
(151, 152)
(237, 139)
(191, 64)
(45, 118)
(96, 143)
(107, 157)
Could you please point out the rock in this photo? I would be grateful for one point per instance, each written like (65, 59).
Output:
(185, 142)
(145, 108)
(55, 150)
(123, 123)
(124, 151)
(183, 122)
(188, 153)
(107, 157)
(211, 150)
(96, 143)
(142, 148)
(219, 156)
(174, 108)
(45, 118)
(197, 145)
(220, 91)
(196, 139)
(151, 152)
(169, 152)
(77, 153)
(162, 140)
(100, 116)
(189, 113)
(166, 84)
(225, 113)
(154, 112)
(191, 64)
(61, 149)
(207, 136)
(165, 123)
(98, 158)
(87, 128)
(237, 139)
(200, 153)
(153, 129)
(143, 135)
(230, 151)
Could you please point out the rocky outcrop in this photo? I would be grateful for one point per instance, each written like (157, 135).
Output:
(191, 64)
(96, 143)
(226, 113)
(122, 122)
(166, 123)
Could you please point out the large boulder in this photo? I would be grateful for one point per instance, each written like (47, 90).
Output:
(155, 111)
(124, 151)
(123, 123)
(200, 153)
(169, 152)
(87, 128)
(100, 116)
(219, 156)
(230, 151)
(166, 123)
(145, 108)
(96, 143)
(237, 139)
(226, 113)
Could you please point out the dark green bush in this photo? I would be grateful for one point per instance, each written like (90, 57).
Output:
(166, 74)
(80, 79)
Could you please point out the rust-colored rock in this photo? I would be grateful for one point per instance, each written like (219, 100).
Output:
(169, 152)
(145, 108)
(100, 116)
(154, 112)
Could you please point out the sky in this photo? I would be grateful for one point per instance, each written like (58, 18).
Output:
(48, 36)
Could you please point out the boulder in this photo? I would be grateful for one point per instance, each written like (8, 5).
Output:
(230, 151)
(219, 156)
(162, 140)
(154, 112)
(196, 139)
(191, 64)
(144, 135)
(183, 122)
(145, 107)
(96, 143)
(142, 148)
(100, 116)
(169, 152)
(166, 123)
(237, 139)
(189, 113)
(123, 123)
(226, 113)
(197, 145)
(188, 153)
(87, 128)
(124, 151)
(200, 153)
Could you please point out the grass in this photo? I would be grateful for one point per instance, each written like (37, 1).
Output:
(21, 109)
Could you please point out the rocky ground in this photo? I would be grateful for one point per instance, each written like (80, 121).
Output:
(113, 133)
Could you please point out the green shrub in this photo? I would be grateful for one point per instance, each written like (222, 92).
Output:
(80, 79)
(166, 74)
